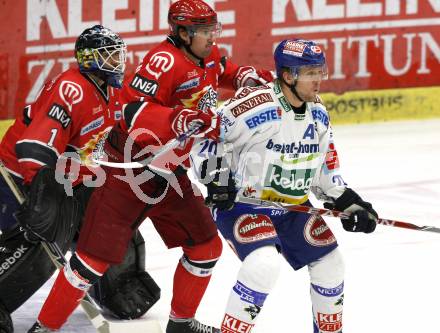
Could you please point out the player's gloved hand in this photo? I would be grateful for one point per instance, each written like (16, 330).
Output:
(186, 119)
(220, 184)
(363, 218)
(248, 76)
(38, 214)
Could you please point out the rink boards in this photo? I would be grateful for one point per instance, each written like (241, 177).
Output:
(369, 106)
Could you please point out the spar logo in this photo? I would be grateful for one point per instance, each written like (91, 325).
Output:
(330, 322)
(250, 228)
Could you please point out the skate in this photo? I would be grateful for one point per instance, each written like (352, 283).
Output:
(189, 325)
(5, 321)
(38, 328)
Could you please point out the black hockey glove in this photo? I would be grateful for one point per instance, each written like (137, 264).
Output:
(217, 177)
(363, 218)
(39, 213)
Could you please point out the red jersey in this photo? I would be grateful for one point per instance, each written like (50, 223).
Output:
(70, 114)
(168, 78)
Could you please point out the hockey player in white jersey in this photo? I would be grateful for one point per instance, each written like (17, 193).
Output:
(277, 145)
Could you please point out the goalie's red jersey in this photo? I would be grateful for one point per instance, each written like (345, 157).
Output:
(70, 114)
(168, 78)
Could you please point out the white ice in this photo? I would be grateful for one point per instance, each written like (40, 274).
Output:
(392, 276)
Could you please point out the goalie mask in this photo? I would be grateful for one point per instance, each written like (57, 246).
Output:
(100, 51)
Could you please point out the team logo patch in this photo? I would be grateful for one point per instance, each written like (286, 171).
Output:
(71, 93)
(160, 62)
(317, 233)
(250, 228)
(251, 103)
(330, 322)
(58, 113)
(294, 48)
(234, 325)
(145, 86)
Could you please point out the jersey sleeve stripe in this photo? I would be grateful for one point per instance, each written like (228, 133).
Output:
(36, 153)
(131, 112)
(41, 143)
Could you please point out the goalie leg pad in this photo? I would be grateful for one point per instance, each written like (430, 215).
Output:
(126, 290)
(5, 321)
(24, 268)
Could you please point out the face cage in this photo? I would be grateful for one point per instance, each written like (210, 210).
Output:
(315, 73)
(111, 58)
(206, 31)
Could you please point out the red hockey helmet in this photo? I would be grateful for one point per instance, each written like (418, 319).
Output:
(190, 13)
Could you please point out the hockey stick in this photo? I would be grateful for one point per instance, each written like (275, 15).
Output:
(101, 324)
(331, 213)
(141, 164)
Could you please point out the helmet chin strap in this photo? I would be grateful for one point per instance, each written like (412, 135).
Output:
(292, 88)
(190, 51)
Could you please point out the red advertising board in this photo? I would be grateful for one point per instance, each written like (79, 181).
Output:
(370, 44)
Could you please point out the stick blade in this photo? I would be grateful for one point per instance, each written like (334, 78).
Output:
(107, 325)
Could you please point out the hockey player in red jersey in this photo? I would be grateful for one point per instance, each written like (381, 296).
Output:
(72, 112)
(174, 88)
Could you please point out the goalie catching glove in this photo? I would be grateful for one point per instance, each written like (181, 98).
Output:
(220, 184)
(363, 218)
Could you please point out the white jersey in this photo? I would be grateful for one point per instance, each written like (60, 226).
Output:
(274, 153)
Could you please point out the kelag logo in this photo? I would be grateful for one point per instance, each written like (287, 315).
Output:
(289, 182)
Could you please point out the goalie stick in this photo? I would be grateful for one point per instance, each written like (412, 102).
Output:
(331, 213)
(101, 324)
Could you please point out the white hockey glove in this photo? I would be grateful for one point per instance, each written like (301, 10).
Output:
(185, 119)
(248, 76)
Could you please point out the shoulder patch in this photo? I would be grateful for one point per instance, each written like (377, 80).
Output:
(320, 115)
(58, 113)
(71, 93)
(243, 92)
(160, 62)
(251, 103)
(145, 86)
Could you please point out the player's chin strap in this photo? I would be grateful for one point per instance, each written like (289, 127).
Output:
(101, 324)
(172, 144)
(331, 213)
(292, 88)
